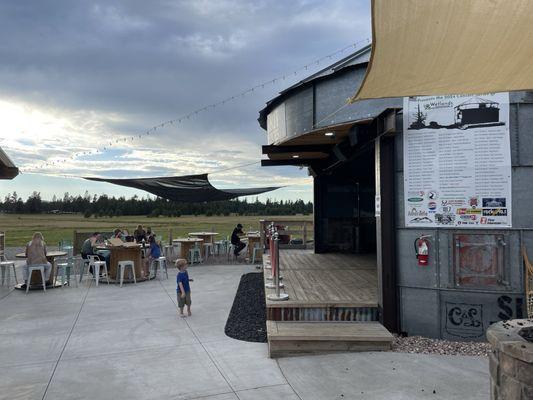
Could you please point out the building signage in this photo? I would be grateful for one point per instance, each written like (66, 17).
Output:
(457, 161)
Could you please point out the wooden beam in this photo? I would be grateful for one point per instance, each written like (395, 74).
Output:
(310, 148)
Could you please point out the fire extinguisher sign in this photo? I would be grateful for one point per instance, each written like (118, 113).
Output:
(457, 161)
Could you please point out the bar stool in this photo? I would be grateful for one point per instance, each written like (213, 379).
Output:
(231, 252)
(31, 269)
(159, 264)
(195, 254)
(95, 262)
(208, 250)
(169, 252)
(65, 267)
(122, 265)
(257, 252)
(6, 267)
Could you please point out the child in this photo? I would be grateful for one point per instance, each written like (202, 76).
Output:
(183, 288)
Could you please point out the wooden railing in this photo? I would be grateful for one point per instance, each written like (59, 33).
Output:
(300, 232)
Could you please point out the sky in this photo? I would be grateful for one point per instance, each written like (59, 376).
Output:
(76, 76)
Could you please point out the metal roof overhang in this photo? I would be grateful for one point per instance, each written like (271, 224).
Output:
(315, 148)
(8, 170)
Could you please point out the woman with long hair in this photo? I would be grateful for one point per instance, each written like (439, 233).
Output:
(36, 255)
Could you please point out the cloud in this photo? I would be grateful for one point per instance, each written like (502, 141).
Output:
(76, 76)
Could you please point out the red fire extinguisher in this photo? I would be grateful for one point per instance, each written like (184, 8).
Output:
(422, 250)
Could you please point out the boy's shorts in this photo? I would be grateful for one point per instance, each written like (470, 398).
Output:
(184, 300)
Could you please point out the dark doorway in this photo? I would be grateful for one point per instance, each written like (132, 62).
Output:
(344, 208)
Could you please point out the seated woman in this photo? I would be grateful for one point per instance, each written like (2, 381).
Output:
(154, 252)
(36, 256)
(139, 234)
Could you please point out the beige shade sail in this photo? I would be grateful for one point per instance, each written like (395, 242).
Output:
(438, 47)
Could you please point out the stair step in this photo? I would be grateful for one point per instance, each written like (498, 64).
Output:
(291, 338)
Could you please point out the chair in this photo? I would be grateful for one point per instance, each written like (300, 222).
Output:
(6, 267)
(122, 265)
(94, 261)
(168, 250)
(195, 254)
(65, 267)
(31, 269)
(159, 264)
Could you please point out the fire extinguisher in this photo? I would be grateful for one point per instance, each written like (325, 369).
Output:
(422, 250)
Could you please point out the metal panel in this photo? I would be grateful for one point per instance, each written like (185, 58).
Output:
(409, 273)
(467, 315)
(299, 113)
(419, 312)
(522, 195)
(525, 134)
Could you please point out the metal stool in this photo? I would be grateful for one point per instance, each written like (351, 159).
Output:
(231, 252)
(169, 252)
(6, 271)
(161, 266)
(208, 250)
(257, 252)
(31, 269)
(122, 265)
(195, 255)
(95, 262)
(64, 268)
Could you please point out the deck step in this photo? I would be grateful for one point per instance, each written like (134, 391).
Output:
(286, 338)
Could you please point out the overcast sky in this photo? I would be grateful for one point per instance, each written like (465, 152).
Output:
(76, 75)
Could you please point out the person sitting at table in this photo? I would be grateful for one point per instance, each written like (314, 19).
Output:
(149, 233)
(89, 249)
(36, 256)
(236, 239)
(154, 252)
(118, 234)
(139, 234)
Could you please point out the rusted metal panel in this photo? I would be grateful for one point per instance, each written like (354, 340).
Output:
(478, 260)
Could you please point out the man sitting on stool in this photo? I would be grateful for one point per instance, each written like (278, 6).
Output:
(236, 239)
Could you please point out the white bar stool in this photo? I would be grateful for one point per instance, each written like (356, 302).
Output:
(31, 269)
(159, 264)
(6, 271)
(122, 265)
(95, 262)
(65, 268)
(257, 253)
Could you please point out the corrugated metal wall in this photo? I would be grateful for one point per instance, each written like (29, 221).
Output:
(432, 302)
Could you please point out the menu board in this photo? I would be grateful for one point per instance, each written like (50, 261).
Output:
(457, 161)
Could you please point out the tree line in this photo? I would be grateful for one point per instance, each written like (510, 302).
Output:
(105, 206)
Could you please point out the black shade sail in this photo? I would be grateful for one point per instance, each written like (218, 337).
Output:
(187, 189)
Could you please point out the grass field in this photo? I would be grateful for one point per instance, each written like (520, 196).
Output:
(20, 227)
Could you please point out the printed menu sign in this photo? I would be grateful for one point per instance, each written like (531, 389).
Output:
(457, 161)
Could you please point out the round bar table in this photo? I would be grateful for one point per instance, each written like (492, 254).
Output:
(125, 252)
(35, 282)
(186, 244)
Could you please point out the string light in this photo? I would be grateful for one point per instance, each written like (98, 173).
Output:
(212, 106)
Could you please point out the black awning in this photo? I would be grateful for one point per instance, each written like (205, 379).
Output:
(187, 188)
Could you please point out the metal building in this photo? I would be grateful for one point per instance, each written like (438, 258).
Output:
(354, 152)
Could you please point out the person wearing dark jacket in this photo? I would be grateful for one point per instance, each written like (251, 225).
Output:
(236, 239)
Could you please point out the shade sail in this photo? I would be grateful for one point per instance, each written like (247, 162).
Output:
(188, 188)
(436, 47)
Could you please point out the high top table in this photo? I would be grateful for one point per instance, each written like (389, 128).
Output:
(253, 239)
(186, 244)
(128, 251)
(208, 237)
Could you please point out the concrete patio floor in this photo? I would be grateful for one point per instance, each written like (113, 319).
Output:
(117, 343)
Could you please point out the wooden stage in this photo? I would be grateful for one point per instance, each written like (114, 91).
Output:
(325, 287)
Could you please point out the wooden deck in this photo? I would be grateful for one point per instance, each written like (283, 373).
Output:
(325, 280)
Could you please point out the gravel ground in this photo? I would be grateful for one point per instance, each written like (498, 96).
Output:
(247, 318)
(422, 345)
